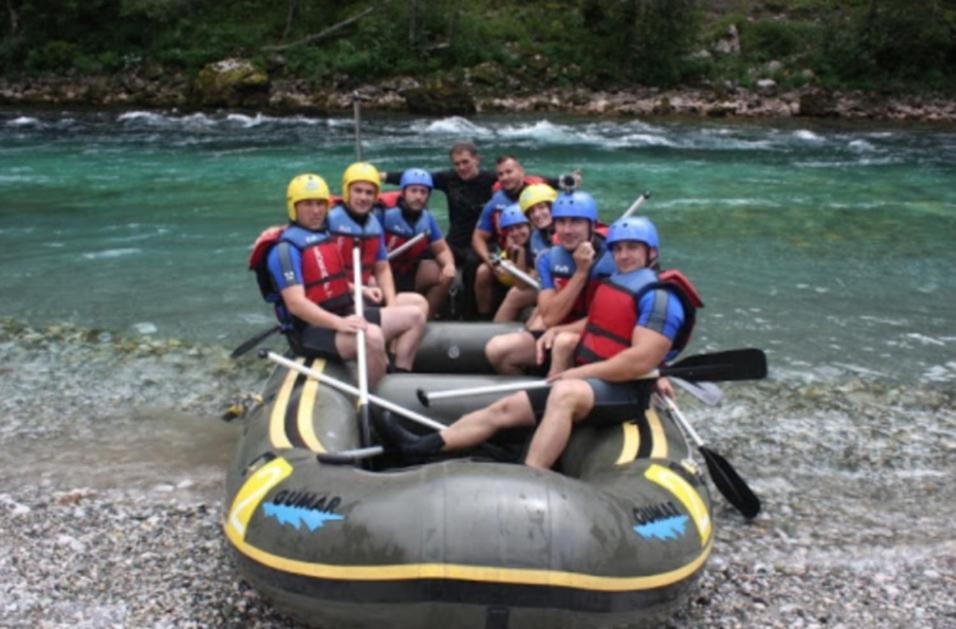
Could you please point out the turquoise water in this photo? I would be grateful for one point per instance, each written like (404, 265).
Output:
(829, 245)
(124, 236)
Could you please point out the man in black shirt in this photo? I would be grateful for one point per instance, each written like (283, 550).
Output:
(467, 188)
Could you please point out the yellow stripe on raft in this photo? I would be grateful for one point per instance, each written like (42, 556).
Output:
(304, 419)
(688, 496)
(632, 443)
(658, 437)
(484, 574)
(277, 436)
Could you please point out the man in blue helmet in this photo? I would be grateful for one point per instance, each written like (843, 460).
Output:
(427, 266)
(635, 323)
(569, 274)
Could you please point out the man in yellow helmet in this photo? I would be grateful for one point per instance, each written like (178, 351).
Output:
(301, 271)
(352, 224)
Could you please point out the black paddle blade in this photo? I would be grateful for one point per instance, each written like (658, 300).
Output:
(735, 364)
(250, 343)
(730, 484)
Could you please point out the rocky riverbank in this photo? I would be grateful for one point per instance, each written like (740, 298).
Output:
(238, 86)
(79, 557)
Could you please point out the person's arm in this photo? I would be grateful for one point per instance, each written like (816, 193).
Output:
(479, 242)
(385, 281)
(554, 306)
(444, 257)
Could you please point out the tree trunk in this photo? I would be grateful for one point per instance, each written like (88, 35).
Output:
(14, 18)
(288, 20)
(412, 24)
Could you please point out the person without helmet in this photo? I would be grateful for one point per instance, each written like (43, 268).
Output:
(635, 323)
(517, 250)
(352, 224)
(428, 266)
(569, 274)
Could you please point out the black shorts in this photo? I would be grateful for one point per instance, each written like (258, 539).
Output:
(405, 282)
(542, 369)
(313, 341)
(614, 402)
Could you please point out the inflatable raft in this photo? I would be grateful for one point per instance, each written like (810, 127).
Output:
(614, 537)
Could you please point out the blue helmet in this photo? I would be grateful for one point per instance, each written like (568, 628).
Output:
(578, 204)
(511, 216)
(416, 176)
(637, 228)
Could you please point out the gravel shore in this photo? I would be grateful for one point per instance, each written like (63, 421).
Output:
(157, 558)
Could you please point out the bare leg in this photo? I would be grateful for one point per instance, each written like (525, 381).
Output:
(515, 300)
(405, 324)
(484, 289)
(376, 361)
(412, 299)
(562, 352)
(429, 282)
(479, 426)
(569, 401)
(510, 353)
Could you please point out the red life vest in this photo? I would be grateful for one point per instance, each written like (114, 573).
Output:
(398, 231)
(613, 314)
(323, 274)
(346, 231)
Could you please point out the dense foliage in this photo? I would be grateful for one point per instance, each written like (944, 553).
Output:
(507, 44)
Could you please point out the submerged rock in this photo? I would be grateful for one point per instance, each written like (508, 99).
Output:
(232, 83)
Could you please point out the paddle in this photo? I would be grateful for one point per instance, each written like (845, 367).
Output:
(735, 364)
(255, 340)
(637, 203)
(725, 477)
(508, 266)
(706, 392)
(406, 246)
(365, 424)
(349, 456)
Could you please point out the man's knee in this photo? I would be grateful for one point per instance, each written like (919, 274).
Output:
(513, 410)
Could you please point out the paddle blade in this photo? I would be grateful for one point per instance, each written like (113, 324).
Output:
(730, 484)
(250, 343)
(736, 364)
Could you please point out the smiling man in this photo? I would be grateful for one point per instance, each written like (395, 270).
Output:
(635, 323)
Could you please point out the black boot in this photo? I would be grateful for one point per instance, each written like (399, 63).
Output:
(405, 441)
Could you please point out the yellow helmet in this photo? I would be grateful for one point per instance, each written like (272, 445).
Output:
(360, 171)
(302, 187)
(535, 194)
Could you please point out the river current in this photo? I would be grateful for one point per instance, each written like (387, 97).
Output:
(124, 237)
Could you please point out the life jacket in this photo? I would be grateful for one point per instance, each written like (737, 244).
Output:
(613, 314)
(398, 231)
(346, 230)
(508, 279)
(562, 265)
(323, 274)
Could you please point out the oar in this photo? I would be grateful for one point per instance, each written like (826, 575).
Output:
(406, 246)
(725, 477)
(357, 454)
(255, 340)
(735, 364)
(706, 392)
(637, 203)
(357, 98)
(365, 424)
(508, 266)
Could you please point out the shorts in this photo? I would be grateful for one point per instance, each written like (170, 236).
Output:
(313, 341)
(614, 402)
(405, 282)
(542, 369)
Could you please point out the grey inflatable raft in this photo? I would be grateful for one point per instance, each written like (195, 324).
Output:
(614, 537)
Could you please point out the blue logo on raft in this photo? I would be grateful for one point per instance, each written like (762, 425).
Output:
(296, 516)
(667, 528)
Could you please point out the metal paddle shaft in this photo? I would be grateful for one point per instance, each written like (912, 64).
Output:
(725, 477)
(347, 388)
(737, 364)
(508, 266)
(637, 203)
(406, 245)
(706, 392)
(357, 119)
(365, 424)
